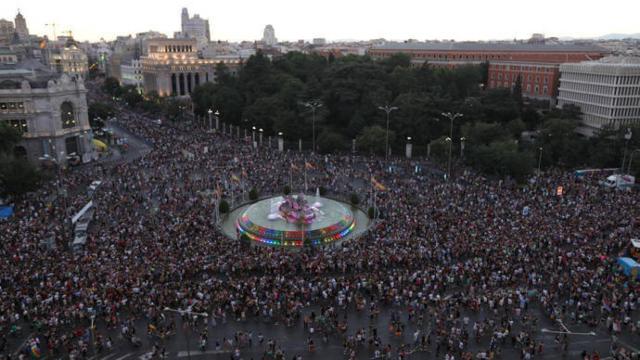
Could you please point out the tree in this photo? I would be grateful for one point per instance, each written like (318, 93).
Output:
(373, 139)
(9, 137)
(355, 199)
(286, 190)
(439, 149)
(517, 90)
(501, 158)
(175, 109)
(98, 112)
(253, 194)
(17, 177)
(331, 142)
(131, 96)
(111, 86)
(224, 207)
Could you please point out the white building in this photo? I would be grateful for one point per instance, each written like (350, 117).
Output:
(319, 41)
(607, 91)
(50, 112)
(132, 74)
(269, 36)
(70, 60)
(195, 28)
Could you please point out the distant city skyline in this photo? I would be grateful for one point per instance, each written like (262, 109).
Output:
(462, 20)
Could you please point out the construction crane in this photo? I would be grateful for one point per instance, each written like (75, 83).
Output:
(53, 25)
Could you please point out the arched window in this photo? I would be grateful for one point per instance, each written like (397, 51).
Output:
(66, 115)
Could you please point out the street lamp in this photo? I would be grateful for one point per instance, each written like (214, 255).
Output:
(313, 105)
(253, 136)
(280, 142)
(261, 131)
(408, 148)
(627, 137)
(539, 160)
(210, 112)
(387, 109)
(217, 114)
(630, 160)
(451, 117)
(462, 140)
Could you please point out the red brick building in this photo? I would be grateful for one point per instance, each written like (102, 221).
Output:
(536, 64)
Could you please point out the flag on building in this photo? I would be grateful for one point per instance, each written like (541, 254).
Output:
(377, 185)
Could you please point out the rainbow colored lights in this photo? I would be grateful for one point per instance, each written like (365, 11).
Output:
(275, 237)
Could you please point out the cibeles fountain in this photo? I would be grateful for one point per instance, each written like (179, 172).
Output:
(295, 221)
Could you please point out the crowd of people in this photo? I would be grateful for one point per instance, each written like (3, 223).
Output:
(450, 270)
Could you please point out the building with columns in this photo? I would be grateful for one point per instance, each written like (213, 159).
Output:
(51, 113)
(172, 67)
(607, 92)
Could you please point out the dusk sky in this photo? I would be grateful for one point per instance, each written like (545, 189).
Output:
(333, 19)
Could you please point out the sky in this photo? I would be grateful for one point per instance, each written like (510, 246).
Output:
(238, 20)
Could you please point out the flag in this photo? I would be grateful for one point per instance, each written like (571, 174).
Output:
(378, 185)
(234, 178)
(308, 165)
(35, 350)
(294, 167)
(218, 191)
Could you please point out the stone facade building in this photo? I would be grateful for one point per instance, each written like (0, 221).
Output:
(51, 113)
(537, 65)
(173, 68)
(195, 28)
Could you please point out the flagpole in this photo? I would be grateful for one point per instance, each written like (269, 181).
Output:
(305, 175)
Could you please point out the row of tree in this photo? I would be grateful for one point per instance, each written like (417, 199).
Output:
(17, 176)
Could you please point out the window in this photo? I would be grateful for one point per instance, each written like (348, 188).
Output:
(20, 125)
(67, 116)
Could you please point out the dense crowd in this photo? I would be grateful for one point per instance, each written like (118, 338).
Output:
(471, 264)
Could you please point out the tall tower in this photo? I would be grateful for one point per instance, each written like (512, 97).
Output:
(269, 36)
(21, 27)
(185, 20)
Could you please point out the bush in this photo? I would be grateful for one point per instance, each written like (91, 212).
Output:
(286, 190)
(253, 194)
(371, 212)
(323, 191)
(355, 199)
(224, 207)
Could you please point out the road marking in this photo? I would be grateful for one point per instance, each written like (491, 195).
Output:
(122, 357)
(108, 357)
(22, 345)
(196, 352)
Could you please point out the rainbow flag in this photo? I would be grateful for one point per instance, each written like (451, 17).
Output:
(377, 185)
(35, 351)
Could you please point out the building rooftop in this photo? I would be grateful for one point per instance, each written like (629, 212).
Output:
(477, 46)
(618, 60)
